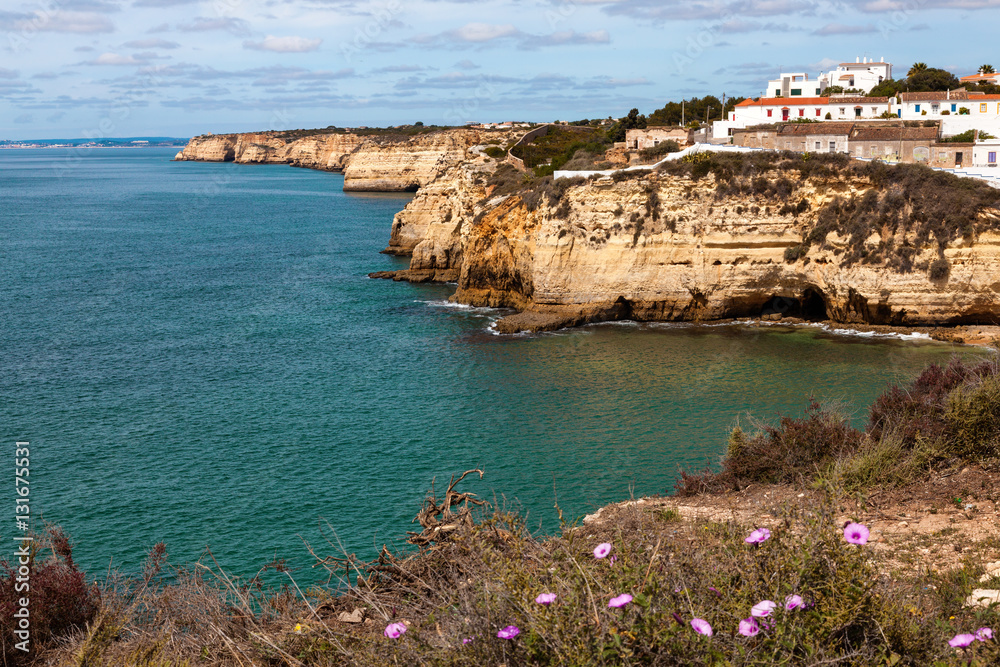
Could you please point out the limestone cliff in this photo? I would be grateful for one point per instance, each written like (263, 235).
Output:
(374, 163)
(682, 246)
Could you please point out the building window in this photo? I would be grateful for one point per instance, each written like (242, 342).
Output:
(769, 112)
(777, 93)
(991, 156)
(857, 112)
(842, 110)
(851, 83)
(818, 113)
(817, 91)
(802, 112)
(796, 91)
(817, 145)
(874, 150)
(916, 107)
(935, 108)
(953, 108)
(874, 111)
(982, 108)
(833, 146)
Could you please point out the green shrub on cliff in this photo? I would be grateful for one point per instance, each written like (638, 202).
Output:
(945, 412)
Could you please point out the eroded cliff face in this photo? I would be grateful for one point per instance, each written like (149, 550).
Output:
(369, 163)
(668, 248)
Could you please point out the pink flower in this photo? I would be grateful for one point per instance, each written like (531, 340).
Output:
(467, 640)
(509, 632)
(546, 598)
(856, 533)
(758, 536)
(613, 559)
(763, 608)
(619, 601)
(982, 634)
(602, 550)
(701, 626)
(749, 627)
(793, 602)
(959, 641)
(394, 630)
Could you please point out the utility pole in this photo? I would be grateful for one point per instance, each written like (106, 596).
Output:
(682, 113)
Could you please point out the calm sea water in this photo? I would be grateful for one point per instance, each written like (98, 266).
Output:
(196, 355)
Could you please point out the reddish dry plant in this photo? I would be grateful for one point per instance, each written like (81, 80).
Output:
(61, 600)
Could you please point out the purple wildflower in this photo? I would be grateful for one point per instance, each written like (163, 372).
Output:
(394, 630)
(546, 598)
(856, 533)
(677, 617)
(701, 626)
(960, 641)
(793, 602)
(509, 632)
(749, 627)
(602, 550)
(619, 601)
(467, 640)
(763, 608)
(758, 536)
(716, 591)
(982, 634)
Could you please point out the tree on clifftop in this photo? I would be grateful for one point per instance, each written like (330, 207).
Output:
(632, 121)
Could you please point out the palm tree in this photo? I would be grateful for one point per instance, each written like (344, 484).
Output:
(986, 69)
(917, 68)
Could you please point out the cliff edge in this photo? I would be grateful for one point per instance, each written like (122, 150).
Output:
(370, 163)
(714, 237)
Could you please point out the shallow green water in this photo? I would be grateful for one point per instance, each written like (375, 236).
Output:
(197, 356)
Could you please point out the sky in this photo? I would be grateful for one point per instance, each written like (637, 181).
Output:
(120, 68)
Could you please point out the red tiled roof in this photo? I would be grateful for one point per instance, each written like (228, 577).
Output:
(937, 96)
(811, 101)
(862, 133)
(979, 77)
(815, 128)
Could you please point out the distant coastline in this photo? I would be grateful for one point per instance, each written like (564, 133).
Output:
(126, 142)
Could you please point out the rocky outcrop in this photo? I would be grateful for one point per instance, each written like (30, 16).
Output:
(666, 247)
(374, 163)
(327, 152)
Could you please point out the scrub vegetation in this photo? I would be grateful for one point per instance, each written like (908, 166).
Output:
(908, 205)
(640, 584)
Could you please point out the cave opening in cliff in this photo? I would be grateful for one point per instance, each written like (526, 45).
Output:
(813, 306)
(784, 306)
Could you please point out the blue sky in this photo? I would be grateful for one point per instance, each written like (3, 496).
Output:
(111, 68)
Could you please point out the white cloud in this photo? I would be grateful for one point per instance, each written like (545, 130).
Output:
(57, 21)
(842, 29)
(151, 43)
(483, 32)
(114, 59)
(201, 24)
(284, 44)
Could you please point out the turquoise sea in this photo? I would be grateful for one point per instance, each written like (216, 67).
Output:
(196, 355)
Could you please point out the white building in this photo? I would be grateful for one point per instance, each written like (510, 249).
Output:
(957, 110)
(863, 74)
(984, 153)
(777, 109)
(796, 84)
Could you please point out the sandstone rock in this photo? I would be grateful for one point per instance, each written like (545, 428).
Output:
(356, 616)
(599, 254)
(983, 597)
